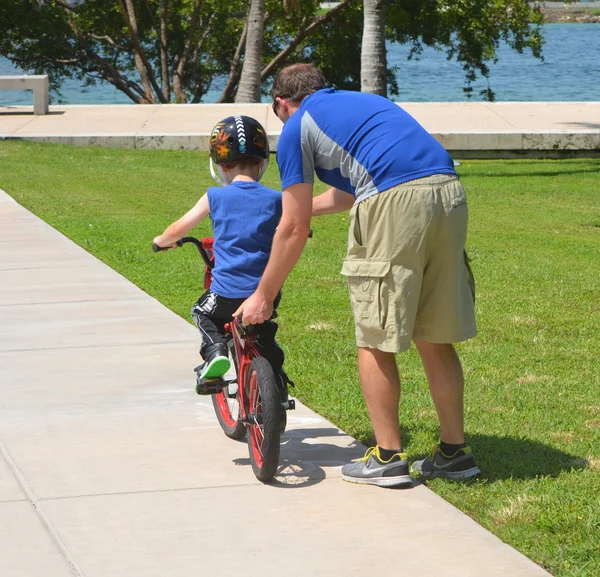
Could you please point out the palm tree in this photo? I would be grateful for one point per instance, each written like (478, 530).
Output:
(251, 41)
(373, 68)
(249, 87)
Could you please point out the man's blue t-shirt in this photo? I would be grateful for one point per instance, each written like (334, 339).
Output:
(244, 217)
(360, 143)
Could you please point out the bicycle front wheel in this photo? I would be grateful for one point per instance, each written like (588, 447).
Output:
(263, 419)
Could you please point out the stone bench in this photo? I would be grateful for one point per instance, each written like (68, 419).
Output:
(37, 83)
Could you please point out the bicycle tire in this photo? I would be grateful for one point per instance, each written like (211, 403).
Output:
(264, 431)
(229, 418)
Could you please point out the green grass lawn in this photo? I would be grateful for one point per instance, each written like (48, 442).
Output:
(532, 397)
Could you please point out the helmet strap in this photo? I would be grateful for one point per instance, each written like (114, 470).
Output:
(263, 168)
(220, 177)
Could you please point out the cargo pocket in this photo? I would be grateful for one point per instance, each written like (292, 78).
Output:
(370, 287)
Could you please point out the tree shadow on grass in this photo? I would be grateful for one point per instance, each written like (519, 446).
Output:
(538, 174)
(519, 458)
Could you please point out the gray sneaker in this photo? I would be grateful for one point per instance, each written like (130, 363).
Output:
(372, 470)
(459, 466)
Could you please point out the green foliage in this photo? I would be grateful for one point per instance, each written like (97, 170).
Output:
(533, 375)
(93, 40)
(470, 31)
(335, 48)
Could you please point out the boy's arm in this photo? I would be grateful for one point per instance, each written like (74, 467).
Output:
(182, 226)
(332, 200)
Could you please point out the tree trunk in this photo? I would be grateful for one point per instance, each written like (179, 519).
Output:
(235, 70)
(164, 51)
(143, 68)
(249, 89)
(182, 60)
(373, 69)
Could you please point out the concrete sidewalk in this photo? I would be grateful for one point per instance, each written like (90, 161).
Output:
(110, 465)
(467, 130)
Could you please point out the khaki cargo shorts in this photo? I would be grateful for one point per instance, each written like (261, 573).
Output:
(407, 268)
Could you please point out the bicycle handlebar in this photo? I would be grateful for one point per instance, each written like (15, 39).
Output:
(184, 240)
(243, 330)
(199, 246)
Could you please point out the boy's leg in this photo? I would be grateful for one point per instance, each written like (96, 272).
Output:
(267, 345)
(270, 350)
(210, 314)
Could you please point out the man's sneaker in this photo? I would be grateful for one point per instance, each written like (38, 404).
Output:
(460, 465)
(373, 470)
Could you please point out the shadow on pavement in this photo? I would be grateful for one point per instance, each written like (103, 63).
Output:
(304, 457)
(590, 125)
(8, 111)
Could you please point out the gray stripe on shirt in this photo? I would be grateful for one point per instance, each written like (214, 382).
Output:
(320, 151)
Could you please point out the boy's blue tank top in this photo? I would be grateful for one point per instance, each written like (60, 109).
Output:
(244, 217)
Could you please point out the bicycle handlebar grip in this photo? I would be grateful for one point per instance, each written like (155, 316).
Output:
(157, 248)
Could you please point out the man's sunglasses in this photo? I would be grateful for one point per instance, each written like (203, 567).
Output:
(275, 104)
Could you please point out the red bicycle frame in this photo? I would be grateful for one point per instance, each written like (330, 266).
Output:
(245, 350)
(207, 245)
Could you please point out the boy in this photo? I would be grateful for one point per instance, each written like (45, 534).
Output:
(245, 215)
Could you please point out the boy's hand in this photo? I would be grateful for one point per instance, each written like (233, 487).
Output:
(162, 245)
(256, 309)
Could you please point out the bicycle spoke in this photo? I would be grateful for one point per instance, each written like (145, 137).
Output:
(257, 429)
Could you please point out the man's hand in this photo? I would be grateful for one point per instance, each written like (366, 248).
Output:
(256, 309)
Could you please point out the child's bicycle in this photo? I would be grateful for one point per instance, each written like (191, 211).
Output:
(250, 403)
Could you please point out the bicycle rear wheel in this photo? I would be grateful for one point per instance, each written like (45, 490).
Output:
(263, 419)
(227, 407)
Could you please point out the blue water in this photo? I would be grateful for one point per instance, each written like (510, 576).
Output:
(570, 72)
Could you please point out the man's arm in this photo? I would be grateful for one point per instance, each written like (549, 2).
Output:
(182, 226)
(332, 200)
(288, 244)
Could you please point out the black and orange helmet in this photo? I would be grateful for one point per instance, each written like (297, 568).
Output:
(238, 137)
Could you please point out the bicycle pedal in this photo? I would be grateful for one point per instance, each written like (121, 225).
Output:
(209, 386)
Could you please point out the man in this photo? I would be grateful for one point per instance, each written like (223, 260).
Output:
(406, 266)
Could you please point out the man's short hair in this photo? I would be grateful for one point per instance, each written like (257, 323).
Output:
(297, 81)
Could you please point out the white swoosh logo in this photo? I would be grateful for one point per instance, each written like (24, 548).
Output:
(366, 470)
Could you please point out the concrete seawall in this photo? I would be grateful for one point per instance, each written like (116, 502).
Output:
(467, 130)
